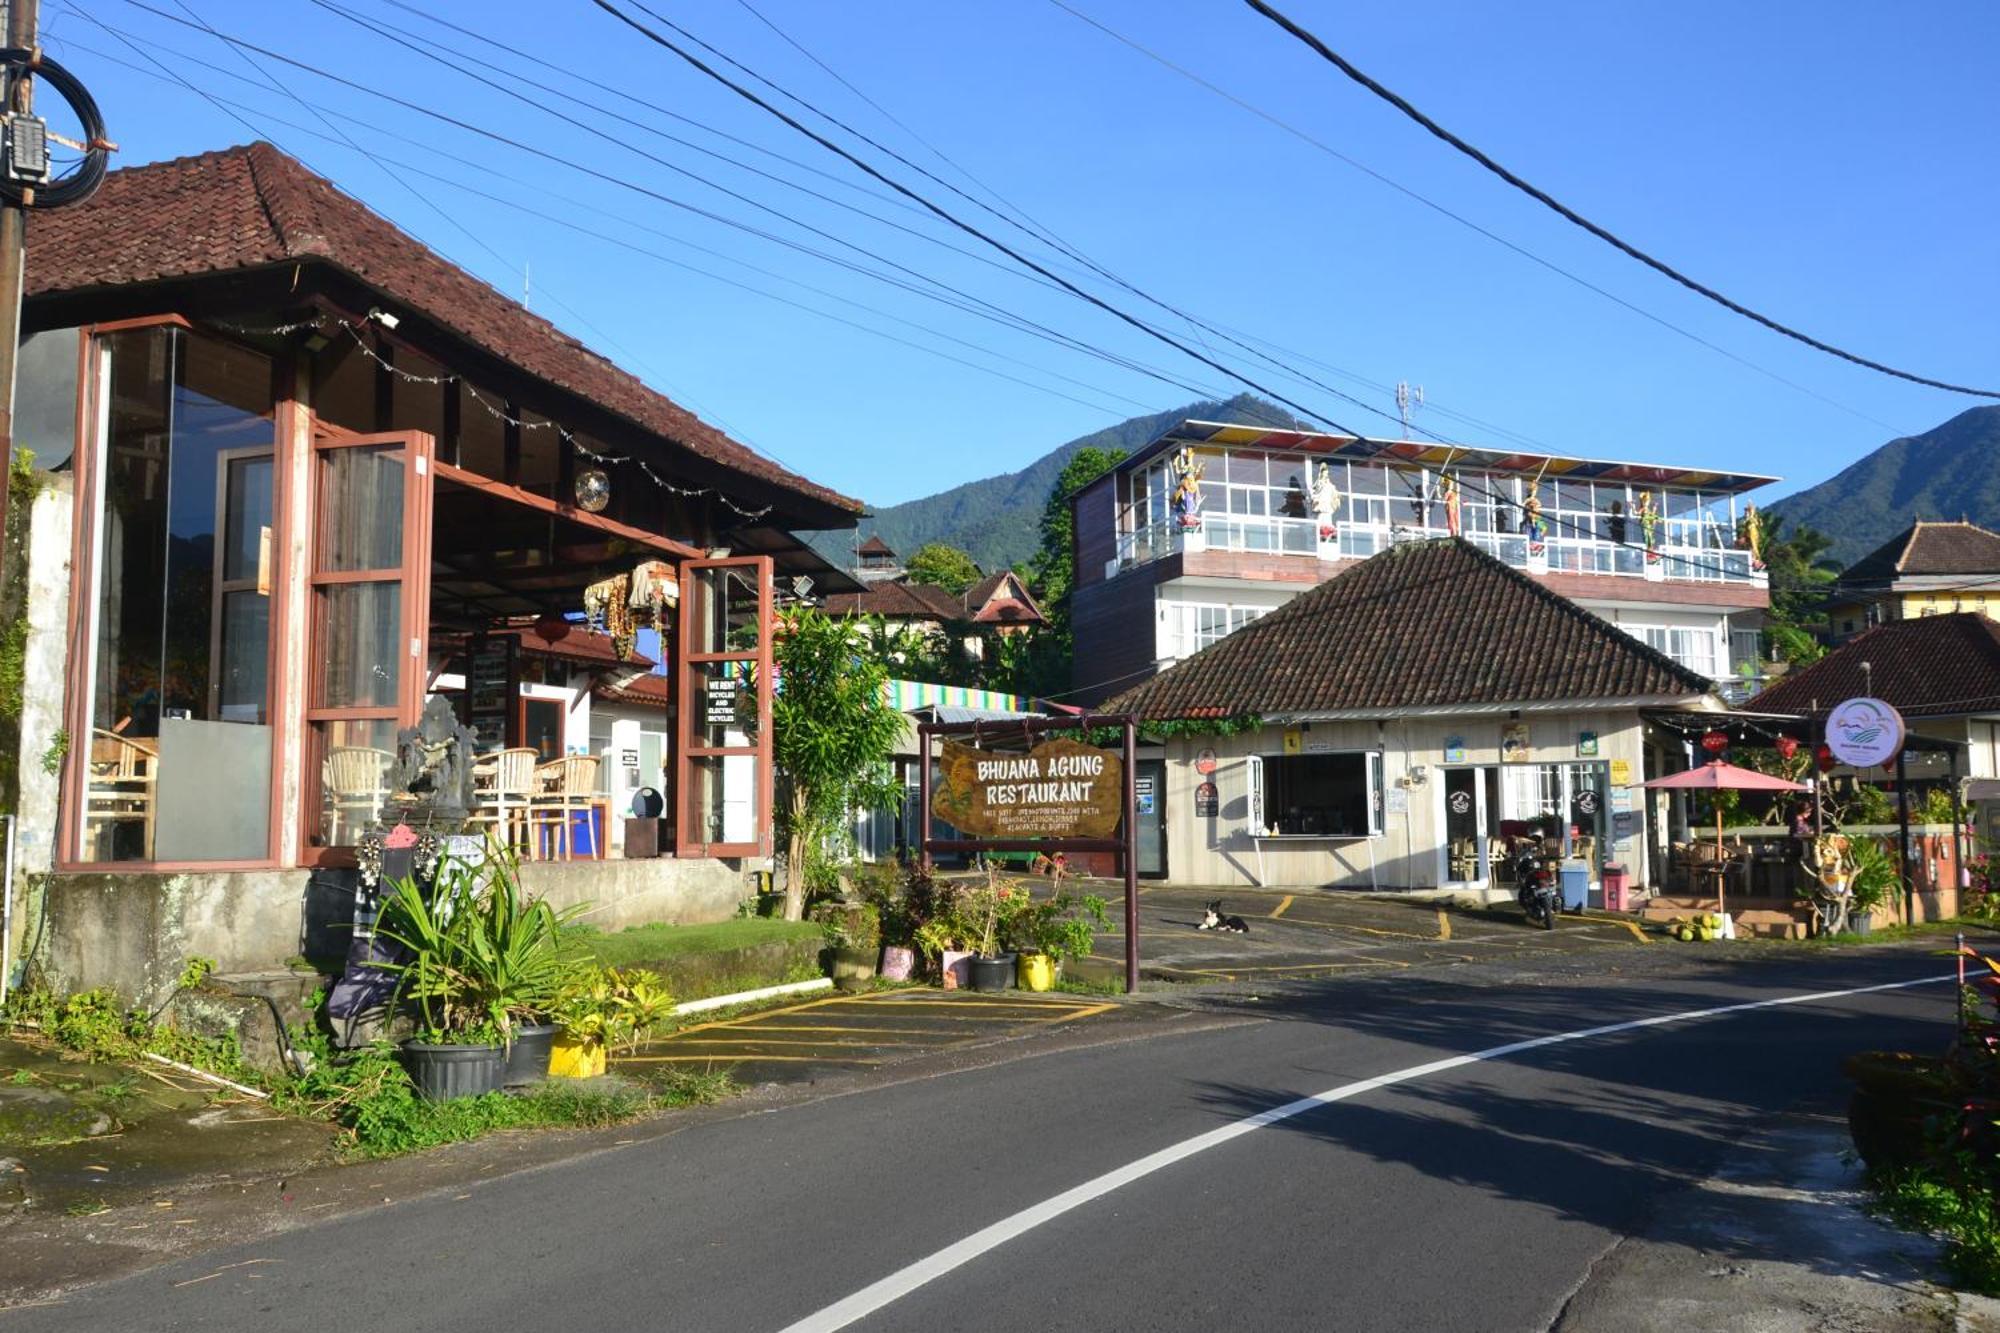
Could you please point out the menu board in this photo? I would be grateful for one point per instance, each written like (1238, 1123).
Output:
(490, 687)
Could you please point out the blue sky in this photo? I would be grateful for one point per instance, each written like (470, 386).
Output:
(1830, 164)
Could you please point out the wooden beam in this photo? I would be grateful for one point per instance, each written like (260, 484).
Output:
(514, 494)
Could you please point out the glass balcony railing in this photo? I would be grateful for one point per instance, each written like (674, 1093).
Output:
(1560, 555)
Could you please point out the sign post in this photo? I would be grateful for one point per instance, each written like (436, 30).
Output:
(1056, 796)
(1863, 732)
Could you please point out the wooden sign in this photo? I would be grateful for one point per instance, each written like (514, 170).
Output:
(1059, 789)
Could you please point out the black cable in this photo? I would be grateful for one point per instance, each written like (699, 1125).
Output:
(82, 180)
(1569, 214)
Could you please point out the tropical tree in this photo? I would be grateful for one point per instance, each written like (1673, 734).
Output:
(944, 566)
(833, 733)
(1801, 575)
(1054, 563)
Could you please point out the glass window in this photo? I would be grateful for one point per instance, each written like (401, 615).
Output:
(355, 757)
(361, 628)
(361, 510)
(180, 750)
(723, 603)
(722, 798)
(1323, 795)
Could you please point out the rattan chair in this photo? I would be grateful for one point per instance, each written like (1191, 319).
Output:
(124, 775)
(566, 786)
(504, 783)
(354, 784)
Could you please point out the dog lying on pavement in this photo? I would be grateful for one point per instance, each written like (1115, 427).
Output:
(1215, 919)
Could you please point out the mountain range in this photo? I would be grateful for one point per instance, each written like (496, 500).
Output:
(1951, 471)
(995, 519)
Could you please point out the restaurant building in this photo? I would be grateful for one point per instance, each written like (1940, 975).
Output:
(1212, 526)
(300, 475)
(1393, 726)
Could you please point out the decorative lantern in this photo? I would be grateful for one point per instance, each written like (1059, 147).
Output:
(551, 628)
(1786, 747)
(1715, 743)
(1825, 757)
(593, 489)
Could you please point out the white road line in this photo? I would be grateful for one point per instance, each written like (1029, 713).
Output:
(902, 1282)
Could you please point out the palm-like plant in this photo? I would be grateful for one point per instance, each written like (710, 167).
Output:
(482, 956)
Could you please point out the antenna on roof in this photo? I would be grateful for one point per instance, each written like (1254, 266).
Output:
(527, 280)
(1408, 399)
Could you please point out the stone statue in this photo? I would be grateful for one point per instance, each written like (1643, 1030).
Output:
(433, 772)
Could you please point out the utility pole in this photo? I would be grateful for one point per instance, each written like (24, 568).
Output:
(20, 93)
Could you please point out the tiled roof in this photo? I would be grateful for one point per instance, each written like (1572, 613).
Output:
(647, 691)
(253, 206)
(1429, 624)
(1926, 666)
(984, 605)
(896, 599)
(1929, 548)
(876, 546)
(586, 647)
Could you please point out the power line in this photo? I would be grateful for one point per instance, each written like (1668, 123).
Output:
(1323, 146)
(1569, 214)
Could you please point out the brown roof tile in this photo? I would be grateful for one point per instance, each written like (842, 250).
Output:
(983, 603)
(253, 206)
(896, 599)
(1929, 548)
(1926, 666)
(1425, 624)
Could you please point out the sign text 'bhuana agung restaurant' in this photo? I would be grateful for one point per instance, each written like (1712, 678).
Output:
(302, 477)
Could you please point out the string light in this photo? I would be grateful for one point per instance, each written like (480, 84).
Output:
(497, 411)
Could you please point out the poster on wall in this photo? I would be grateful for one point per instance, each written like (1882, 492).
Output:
(1146, 800)
(1295, 740)
(1514, 743)
(1207, 801)
(1624, 825)
(1621, 772)
(1454, 749)
(1204, 762)
(1399, 801)
(1586, 744)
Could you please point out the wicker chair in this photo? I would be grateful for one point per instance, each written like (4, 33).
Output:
(124, 776)
(354, 783)
(565, 786)
(504, 782)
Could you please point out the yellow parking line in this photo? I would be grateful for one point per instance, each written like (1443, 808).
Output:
(1297, 967)
(1085, 1013)
(1637, 933)
(1279, 910)
(827, 1027)
(1444, 924)
(794, 1041)
(969, 1002)
(771, 1013)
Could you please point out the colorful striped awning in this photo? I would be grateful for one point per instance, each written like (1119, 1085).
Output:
(904, 695)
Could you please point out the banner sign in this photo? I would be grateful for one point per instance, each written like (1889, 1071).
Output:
(1864, 732)
(1059, 789)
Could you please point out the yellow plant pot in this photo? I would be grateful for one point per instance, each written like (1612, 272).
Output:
(1036, 971)
(576, 1059)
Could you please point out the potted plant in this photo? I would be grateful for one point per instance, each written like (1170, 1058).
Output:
(480, 959)
(605, 1009)
(901, 909)
(991, 908)
(853, 933)
(1050, 932)
(941, 940)
(1873, 881)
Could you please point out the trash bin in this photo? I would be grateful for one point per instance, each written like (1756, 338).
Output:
(1575, 882)
(1615, 884)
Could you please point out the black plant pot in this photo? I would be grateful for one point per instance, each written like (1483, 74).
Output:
(442, 1072)
(991, 974)
(528, 1060)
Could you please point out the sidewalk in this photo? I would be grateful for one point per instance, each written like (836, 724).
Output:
(1777, 1241)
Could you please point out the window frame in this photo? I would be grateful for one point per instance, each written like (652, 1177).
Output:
(1373, 769)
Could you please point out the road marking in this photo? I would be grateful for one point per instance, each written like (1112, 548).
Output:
(1444, 924)
(878, 1295)
(719, 1058)
(1637, 933)
(1279, 910)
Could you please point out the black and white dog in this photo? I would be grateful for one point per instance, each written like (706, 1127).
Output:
(1214, 919)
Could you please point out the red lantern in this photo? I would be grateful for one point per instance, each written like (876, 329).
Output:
(1786, 747)
(551, 628)
(1825, 758)
(1714, 742)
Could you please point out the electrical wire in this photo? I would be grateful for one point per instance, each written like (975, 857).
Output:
(1569, 214)
(80, 181)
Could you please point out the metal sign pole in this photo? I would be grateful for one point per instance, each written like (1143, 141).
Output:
(924, 797)
(1131, 859)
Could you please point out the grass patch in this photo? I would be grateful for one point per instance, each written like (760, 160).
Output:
(1893, 934)
(735, 983)
(650, 944)
(1968, 1218)
(1091, 986)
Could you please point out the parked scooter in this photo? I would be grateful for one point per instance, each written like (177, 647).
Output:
(1535, 887)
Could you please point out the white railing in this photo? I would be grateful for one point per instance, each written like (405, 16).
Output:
(1560, 555)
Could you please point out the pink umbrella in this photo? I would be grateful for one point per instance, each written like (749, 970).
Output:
(1718, 776)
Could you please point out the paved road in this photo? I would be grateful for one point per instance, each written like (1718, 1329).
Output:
(1474, 1197)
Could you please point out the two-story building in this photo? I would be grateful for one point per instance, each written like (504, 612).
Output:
(1211, 526)
(1927, 569)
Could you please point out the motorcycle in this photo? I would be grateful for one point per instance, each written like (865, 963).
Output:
(1535, 887)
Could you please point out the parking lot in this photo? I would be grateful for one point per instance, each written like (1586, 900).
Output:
(1323, 933)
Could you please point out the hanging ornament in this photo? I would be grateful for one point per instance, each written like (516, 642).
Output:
(551, 628)
(593, 489)
(1714, 742)
(1786, 747)
(1825, 757)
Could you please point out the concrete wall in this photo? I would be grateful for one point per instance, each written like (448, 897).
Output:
(135, 931)
(1219, 850)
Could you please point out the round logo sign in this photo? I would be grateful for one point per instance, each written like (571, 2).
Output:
(1460, 802)
(1864, 732)
(1204, 762)
(1585, 802)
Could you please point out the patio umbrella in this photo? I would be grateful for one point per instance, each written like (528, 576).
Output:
(1718, 776)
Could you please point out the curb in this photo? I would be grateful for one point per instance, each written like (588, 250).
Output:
(751, 996)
